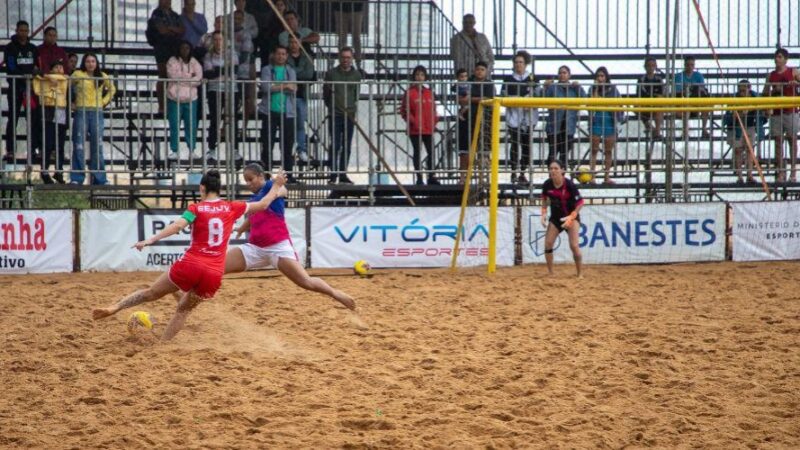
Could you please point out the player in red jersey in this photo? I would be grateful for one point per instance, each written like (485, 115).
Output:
(199, 272)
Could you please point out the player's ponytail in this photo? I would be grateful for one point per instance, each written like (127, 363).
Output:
(212, 181)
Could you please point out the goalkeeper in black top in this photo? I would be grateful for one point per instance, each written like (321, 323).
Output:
(565, 203)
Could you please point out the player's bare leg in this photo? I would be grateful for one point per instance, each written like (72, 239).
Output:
(574, 245)
(161, 287)
(298, 275)
(234, 261)
(549, 241)
(187, 303)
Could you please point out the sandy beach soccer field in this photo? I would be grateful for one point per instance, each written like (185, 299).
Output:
(685, 355)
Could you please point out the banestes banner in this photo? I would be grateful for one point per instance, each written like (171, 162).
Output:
(766, 231)
(407, 237)
(632, 234)
(34, 241)
(107, 237)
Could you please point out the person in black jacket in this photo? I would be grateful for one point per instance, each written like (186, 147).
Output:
(20, 59)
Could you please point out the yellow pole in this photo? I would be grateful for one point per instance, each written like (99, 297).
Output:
(495, 186)
(473, 148)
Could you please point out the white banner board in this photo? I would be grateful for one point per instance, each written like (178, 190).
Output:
(107, 237)
(36, 241)
(634, 234)
(407, 237)
(766, 231)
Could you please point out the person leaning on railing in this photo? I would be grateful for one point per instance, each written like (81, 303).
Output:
(651, 85)
(92, 91)
(562, 123)
(603, 123)
(784, 123)
(52, 91)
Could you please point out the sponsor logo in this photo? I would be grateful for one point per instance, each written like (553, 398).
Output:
(536, 235)
(23, 236)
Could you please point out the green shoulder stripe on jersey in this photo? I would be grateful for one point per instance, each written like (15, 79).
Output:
(189, 216)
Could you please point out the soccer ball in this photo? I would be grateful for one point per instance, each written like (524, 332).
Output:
(140, 321)
(583, 175)
(361, 268)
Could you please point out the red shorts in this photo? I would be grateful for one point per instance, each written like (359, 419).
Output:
(193, 277)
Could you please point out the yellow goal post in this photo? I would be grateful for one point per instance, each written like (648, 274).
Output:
(621, 104)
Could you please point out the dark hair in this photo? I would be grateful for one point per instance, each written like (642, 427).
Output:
(688, 58)
(601, 89)
(347, 49)
(468, 16)
(648, 59)
(181, 44)
(58, 62)
(255, 168)
(279, 46)
(49, 29)
(524, 55)
(70, 55)
(419, 68)
(23, 22)
(211, 181)
(557, 161)
(97, 71)
(565, 67)
(782, 51)
(460, 71)
(291, 12)
(481, 64)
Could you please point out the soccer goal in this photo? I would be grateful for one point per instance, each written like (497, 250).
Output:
(625, 105)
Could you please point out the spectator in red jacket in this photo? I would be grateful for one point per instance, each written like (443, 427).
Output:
(50, 52)
(419, 111)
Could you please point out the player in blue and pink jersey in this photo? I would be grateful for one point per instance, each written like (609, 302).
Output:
(269, 243)
(199, 272)
(565, 203)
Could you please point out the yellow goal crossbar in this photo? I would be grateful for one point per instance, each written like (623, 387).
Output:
(624, 104)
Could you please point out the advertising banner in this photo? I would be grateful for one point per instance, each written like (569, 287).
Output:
(407, 237)
(107, 237)
(766, 231)
(634, 234)
(36, 241)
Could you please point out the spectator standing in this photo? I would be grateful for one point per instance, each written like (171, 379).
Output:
(52, 91)
(20, 57)
(304, 70)
(72, 59)
(207, 41)
(348, 15)
(214, 70)
(561, 123)
(784, 123)
(277, 110)
(164, 31)
(182, 104)
(340, 93)
(93, 91)
(461, 89)
(49, 52)
(736, 138)
(651, 85)
(480, 88)
(419, 111)
(195, 26)
(469, 47)
(268, 35)
(307, 36)
(603, 123)
(690, 83)
(521, 121)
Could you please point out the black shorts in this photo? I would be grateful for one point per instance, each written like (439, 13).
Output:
(555, 219)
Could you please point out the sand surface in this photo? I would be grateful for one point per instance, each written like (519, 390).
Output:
(690, 355)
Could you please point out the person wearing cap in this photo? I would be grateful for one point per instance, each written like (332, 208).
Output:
(52, 91)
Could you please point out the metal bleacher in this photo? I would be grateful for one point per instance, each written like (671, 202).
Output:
(398, 35)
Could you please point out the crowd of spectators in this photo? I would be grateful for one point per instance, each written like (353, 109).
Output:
(187, 52)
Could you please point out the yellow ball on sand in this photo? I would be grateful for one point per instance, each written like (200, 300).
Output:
(361, 268)
(140, 321)
(583, 175)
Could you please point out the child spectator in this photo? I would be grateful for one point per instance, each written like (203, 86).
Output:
(419, 111)
(52, 92)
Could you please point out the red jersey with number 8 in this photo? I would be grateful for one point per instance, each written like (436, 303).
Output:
(212, 223)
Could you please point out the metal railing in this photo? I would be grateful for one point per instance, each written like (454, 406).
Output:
(136, 145)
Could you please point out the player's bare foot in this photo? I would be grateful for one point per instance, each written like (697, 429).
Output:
(102, 313)
(345, 300)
